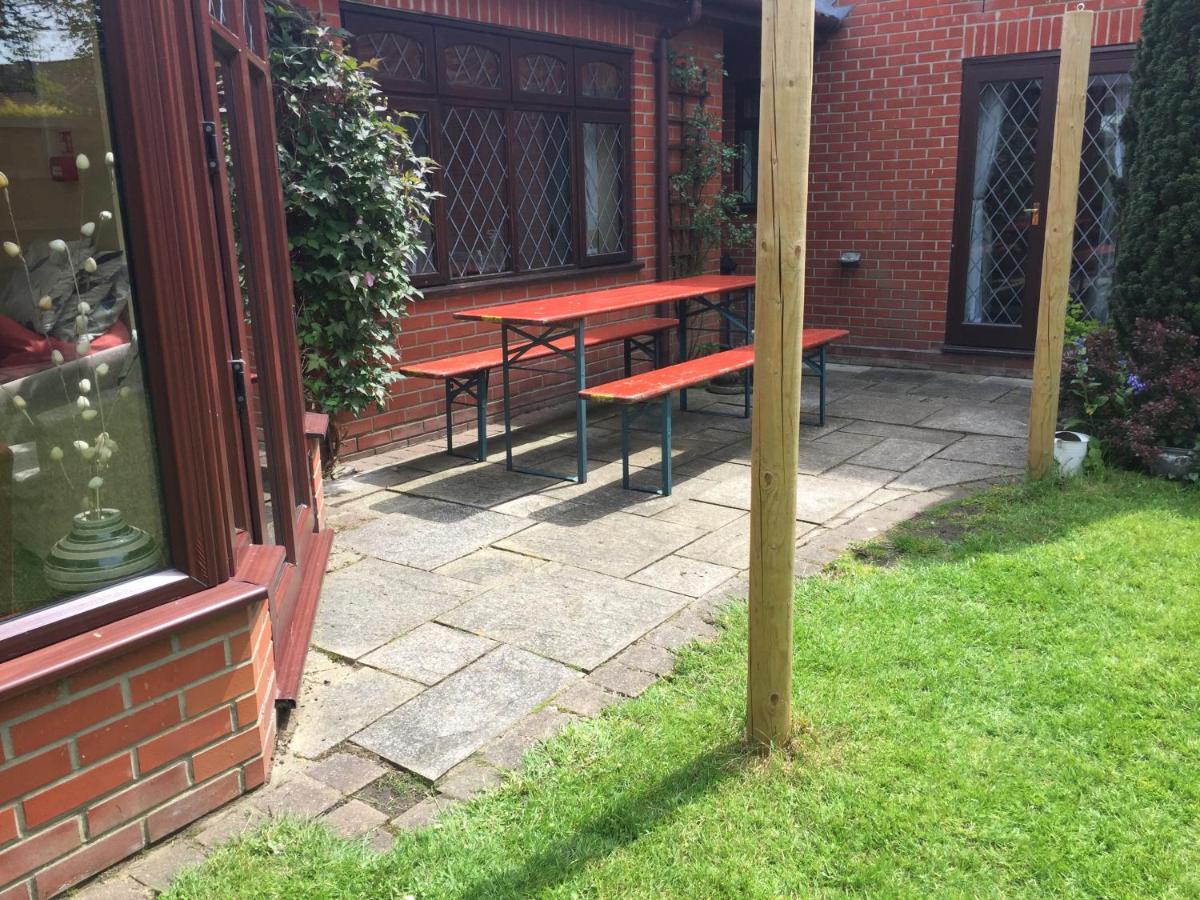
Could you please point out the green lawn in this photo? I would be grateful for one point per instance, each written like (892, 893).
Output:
(1015, 711)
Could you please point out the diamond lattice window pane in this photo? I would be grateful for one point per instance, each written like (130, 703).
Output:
(540, 73)
(601, 80)
(1006, 151)
(604, 188)
(543, 176)
(472, 65)
(425, 262)
(476, 189)
(399, 56)
(1095, 249)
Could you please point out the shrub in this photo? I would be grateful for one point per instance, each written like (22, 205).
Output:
(1137, 403)
(356, 196)
(1158, 268)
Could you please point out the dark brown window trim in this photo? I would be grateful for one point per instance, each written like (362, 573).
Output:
(545, 37)
(60, 659)
(455, 288)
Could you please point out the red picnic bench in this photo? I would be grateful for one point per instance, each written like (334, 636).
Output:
(661, 384)
(467, 374)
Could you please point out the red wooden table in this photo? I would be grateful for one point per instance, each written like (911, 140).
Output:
(546, 323)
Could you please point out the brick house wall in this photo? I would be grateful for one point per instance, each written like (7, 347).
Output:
(97, 763)
(416, 408)
(886, 103)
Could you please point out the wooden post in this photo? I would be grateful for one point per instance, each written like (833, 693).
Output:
(1059, 238)
(785, 112)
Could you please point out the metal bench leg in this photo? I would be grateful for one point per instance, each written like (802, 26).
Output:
(746, 392)
(580, 407)
(481, 397)
(449, 418)
(508, 448)
(666, 446)
(821, 380)
(625, 446)
(682, 315)
(476, 388)
(628, 357)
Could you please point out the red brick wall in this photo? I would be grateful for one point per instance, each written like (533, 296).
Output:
(98, 765)
(417, 406)
(884, 154)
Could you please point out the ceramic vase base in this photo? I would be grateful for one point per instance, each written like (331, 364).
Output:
(101, 550)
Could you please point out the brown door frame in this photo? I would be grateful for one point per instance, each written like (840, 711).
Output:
(977, 71)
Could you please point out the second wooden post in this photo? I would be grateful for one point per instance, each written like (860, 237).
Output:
(1059, 237)
(785, 111)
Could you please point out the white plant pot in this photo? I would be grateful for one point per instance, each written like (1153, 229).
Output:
(1070, 450)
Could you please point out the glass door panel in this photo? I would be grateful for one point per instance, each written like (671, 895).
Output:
(1003, 174)
(255, 428)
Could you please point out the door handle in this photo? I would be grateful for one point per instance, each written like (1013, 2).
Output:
(1035, 214)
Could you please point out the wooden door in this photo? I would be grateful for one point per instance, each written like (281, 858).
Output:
(1003, 180)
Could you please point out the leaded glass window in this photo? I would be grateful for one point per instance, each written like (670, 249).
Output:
(530, 135)
(543, 176)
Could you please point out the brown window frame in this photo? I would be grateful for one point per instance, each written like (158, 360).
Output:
(433, 98)
(149, 56)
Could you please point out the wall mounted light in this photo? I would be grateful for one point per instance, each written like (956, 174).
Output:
(850, 259)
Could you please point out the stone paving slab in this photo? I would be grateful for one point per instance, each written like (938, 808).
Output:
(506, 751)
(337, 703)
(898, 454)
(353, 819)
(576, 617)
(489, 567)
(618, 544)
(981, 419)
(823, 453)
(936, 473)
(346, 772)
(906, 432)
(727, 546)
(483, 486)
(682, 575)
(988, 450)
(366, 604)
(429, 653)
(425, 533)
(893, 410)
(448, 722)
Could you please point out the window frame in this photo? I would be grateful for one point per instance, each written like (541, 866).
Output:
(148, 57)
(435, 96)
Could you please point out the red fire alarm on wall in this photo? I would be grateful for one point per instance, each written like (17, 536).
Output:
(62, 167)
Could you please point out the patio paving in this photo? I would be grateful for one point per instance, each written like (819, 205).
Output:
(470, 612)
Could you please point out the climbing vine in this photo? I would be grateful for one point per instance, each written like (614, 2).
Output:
(706, 215)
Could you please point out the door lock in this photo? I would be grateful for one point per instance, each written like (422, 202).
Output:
(1035, 214)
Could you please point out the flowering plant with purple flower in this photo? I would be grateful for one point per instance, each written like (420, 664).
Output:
(1139, 402)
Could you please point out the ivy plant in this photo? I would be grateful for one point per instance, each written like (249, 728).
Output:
(356, 197)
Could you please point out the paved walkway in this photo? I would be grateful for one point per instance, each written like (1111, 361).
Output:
(470, 612)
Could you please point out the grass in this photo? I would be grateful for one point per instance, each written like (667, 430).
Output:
(1004, 702)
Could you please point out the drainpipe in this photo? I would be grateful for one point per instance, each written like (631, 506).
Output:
(662, 83)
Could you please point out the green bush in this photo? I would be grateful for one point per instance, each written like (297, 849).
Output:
(356, 196)
(1158, 266)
